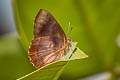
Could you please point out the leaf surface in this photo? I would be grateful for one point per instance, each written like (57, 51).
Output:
(53, 70)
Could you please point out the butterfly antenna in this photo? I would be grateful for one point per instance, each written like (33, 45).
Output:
(69, 30)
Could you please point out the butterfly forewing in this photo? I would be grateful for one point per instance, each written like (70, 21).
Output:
(49, 42)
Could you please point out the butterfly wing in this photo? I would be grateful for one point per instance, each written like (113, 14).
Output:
(46, 25)
(49, 41)
(44, 50)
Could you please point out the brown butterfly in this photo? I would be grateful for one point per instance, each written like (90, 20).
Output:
(49, 43)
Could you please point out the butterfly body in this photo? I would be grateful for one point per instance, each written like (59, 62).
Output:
(49, 42)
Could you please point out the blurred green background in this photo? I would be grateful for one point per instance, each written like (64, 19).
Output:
(96, 28)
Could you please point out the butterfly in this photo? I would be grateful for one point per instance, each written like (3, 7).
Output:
(49, 43)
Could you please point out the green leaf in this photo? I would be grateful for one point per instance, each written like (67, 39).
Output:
(53, 70)
(13, 58)
(95, 27)
(25, 12)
